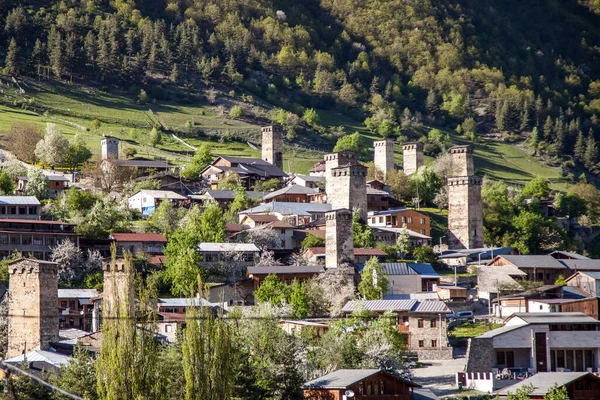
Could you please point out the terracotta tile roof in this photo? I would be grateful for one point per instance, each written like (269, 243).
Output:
(233, 227)
(158, 260)
(138, 237)
(262, 218)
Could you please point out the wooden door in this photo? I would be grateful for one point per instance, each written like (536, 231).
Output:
(541, 360)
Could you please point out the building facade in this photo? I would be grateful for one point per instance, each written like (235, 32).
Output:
(339, 243)
(412, 158)
(272, 145)
(384, 156)
(35, 237)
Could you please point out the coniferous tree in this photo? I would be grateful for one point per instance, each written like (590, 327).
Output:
(12, 58)
(559, 135)
(548, 127)
(37, 56)
(580, 147)
(591, 151)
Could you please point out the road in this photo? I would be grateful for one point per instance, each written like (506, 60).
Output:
(439, 375)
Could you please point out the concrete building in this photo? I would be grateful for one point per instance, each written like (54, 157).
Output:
(309, 181)
(56, 184)
(414, 220)
(285, 273)
(539, 342)
(32, 306)
(465, 207)
(293, 213)
(20, 207)
(219, 252)
(34, 237)
(408, 278)
(339, 243)
(149, 243)
(579, 385)
(272, 145)
(384, 156)
(146, 201)
(110, 148)
(412, 158)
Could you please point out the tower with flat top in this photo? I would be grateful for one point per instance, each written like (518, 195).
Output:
(383, 157)
(346, 182)
(272, 145)
(110, 148)
(339, 244)
(412, 158)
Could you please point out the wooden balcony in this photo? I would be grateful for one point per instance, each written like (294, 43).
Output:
(584, 395)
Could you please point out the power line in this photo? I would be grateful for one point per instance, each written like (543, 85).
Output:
(40, 381)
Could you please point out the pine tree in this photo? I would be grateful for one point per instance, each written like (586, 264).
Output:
(539, 110)
(12, 58)
(90, 48)
(37, 56)
(591, 151)
(547, 129)
(524, 118)
(559, 135)
(501, 114)
(55, 48)
(431, 103)
(579, 147)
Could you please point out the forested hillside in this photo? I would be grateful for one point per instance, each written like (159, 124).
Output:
(523, 70)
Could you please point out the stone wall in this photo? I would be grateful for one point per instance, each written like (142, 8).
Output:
(383, 157)
(481, 356)
(347, 188)
(118, 291)
(412, 158)
(465, 213)
(272, 145)
(33, 316)
(427, 334)
(339, 244)
(110, 148)
(462, 160)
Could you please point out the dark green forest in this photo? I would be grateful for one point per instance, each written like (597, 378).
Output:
(524, 70)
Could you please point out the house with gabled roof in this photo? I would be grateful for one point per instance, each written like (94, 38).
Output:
(423, 322)
(540, 268)
(410, 278)
(250, 170)
(579, 385)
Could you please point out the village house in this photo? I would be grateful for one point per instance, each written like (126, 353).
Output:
(56, 184)
(146, 201)
(422, 321)
(172, 312)
(149, 243)
(291, 194)
(491, 281)
(313, 182)
(538, 342)
(318, 169)
(542, 268)
(285, 273)
(396, 218)
(405, 278)
(579, 385)
(389, 237)
(250, 171)
(255, 220)
(363, 384)
(19, 207)
(34, 236)
(75, 308)
(237, 293)
(283, 232)
(223, 198)
(318, 254)
(380, 200)
(481, 256)
(293, 213)
(245, 253)
(296, 327)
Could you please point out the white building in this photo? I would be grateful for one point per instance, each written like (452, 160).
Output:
(146, 201)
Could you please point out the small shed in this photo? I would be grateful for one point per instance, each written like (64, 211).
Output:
(452, 293)
(372, 384)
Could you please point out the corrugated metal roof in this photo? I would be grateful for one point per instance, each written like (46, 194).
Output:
(357, 252)
(72, 333)
(77, 293)
(220, 247)
(555, 318)
(19, 200)
(185, 302)
(574, 256)
(226, 194)
(582, 265)
(293, 189)
(287, 269)
(342, 378)
(139, 237)
(543, 382)
(398, 269)
(500, 331)
(425, 270)
(414, 296)
(529, 261)
(309, 178)
(416, 306)
(288, 208)
(50, 357)
(162, 194)
(431, 306)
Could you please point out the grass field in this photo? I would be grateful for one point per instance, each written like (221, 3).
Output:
(470, 330)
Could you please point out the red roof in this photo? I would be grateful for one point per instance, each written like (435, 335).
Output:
(233, 227)
(158, 260)
(35, 221)
(262, 218)
(357, 252)
(138, 237)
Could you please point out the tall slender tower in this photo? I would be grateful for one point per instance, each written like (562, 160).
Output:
(465, 207)
(339, 244)
(118, 292)
(110, 148)
(384, 156)
(32, 306)
(412, 158)
(272, 145)
(346, 182)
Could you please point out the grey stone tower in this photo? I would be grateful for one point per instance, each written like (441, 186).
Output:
(465, 208)
(384, 155)
(118, 291)
(339, 244)
(412, 158)
(110, 148)
(32, 306)
(346, 182)
(272, 145)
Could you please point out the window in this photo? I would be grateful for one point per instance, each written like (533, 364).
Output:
(71, 304)
(421, 343)
(15, 239)
(420, 323)
(22, 210)
(410, 220)
(380, 220)
(4, 239)
(373, 220)
(63, 304)
(403, 219)
(541, 307)
(433, 323)
(168, 328)
(422, 231)
(434, 343)
(422, 221)
(500, 358)
(540, 276)
(26, 239)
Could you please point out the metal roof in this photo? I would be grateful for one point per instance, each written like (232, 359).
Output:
(500, 331)
(50, 357)
(425, 270)
(411, 234)
(143, 163)
(414, 296)
(555, 318)
(226, 194)
(138, 237)
(544, 381)
(221, 247)
(310, 178)
(574, 256)
(184, 302)
(161, 194)
(77, 293)
(342, 378)
(19, 200)
(416, 306)
(582, 265)
(72, 333)
(289, 208)
(592, 274)
(293, 189)
(398, 269)
(529, 261)
(287, 269)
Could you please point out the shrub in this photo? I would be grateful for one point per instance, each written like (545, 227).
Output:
(236, 112)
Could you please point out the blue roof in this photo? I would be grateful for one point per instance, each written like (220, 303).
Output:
(425, 270)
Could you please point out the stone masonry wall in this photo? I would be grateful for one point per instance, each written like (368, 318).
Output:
(347, 188)
(412, 158)
(339, 244)
(33, 316)
(427, 334)
(462, 160)
(272, 145)
(481, 356)
(118, 289)
(465, 213)
(110, 148)
(383, 157)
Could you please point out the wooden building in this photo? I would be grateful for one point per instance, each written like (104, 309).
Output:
(542, 268)
(414, 220)
(362, 384)
(285, 273)
(452, 293)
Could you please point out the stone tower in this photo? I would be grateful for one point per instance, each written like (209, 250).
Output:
(384, 156)
(110, 148)
(412, 158)
(272, 145)
(346, 182)
(32, 306)
(118, 288)
(465, 208)
(339, 244)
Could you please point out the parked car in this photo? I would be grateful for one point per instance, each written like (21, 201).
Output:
(461, 316)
